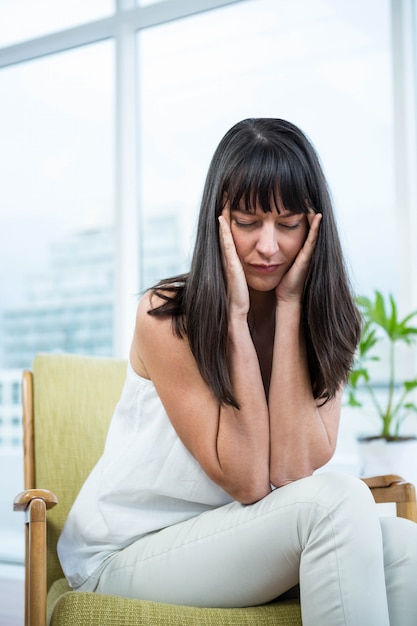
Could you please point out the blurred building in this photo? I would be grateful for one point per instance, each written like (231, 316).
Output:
(67, 308)
(10, 411)
(161, 249)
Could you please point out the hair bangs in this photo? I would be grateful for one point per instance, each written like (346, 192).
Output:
(293, 187)
(268, 180)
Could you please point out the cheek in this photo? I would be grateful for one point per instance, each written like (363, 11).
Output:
(241, 243)
(294, 244)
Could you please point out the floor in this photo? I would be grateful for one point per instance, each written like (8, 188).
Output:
(11, 596)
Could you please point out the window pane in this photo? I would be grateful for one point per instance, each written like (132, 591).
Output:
(27, 19)
(56, 229)
(323, 65)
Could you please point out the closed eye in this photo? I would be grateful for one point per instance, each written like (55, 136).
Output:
(243, 224)
(290, 226)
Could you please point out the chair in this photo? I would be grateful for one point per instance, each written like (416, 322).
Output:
(67, 405)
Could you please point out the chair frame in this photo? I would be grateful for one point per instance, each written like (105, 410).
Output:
(35, 503)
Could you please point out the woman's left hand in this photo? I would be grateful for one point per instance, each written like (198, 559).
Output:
(291, 286)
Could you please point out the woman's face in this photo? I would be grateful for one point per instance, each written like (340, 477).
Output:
(267, 244)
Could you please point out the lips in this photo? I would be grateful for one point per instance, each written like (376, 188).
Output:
(265, 269)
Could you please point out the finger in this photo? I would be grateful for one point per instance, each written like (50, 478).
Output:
(226, 212)
(238, 294)
(314, 220)
(226, 237)
(224, 231)
(306, 252)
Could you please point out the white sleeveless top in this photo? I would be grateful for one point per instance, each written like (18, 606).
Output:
(145, 480)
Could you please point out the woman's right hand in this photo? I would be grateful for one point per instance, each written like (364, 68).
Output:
(237, 288)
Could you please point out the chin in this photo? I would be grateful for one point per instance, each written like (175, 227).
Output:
(263, 286)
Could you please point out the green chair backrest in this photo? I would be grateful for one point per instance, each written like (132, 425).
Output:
(74, 399)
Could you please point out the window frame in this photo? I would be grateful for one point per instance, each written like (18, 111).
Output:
(122, 26)
(404, 67)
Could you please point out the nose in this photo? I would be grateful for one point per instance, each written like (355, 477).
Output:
(267, 243)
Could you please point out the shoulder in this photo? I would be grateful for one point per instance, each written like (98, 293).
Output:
(148, 302)
(154, 336)
(146, 321)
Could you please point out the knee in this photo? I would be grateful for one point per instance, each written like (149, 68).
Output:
(338, 488)
(349, 502)
(341, 508)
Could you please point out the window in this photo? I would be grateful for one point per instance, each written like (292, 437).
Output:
(56, 230)
(76, 117)
(57, 236)
(327, 66)
(26, 19)
(15, 393)
(324, 65)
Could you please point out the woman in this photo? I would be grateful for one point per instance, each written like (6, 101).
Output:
(206, 494)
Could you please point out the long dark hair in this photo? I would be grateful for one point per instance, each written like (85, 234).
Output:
(256, 161)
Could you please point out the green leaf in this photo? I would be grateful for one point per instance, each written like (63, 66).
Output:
(381, 324)
(356, 374)
(380, 314)
(368, 340)
(409, 317)
(402, 331)
(383, 313)
(409, 385)
(352, 401)
(363, 302)
(392, 322)
(406, 334)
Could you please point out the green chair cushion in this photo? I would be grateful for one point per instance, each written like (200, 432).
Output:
(66, 608)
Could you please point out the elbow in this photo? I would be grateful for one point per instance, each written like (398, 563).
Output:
(245, 489)
(245, 478)
(250, 492)
(283, 473)
(323, 454)
(248, 499)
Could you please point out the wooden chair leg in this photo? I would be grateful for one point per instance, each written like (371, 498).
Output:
(34, 503)
(27, 574)
(36, 605)
(407, 510)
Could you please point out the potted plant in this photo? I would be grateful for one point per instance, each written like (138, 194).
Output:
(389, 450)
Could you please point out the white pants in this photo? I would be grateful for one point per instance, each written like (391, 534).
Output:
(323, 531)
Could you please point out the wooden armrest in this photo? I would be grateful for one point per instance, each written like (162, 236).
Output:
(393, 488)
(382, 481)
(22, 500)
(35, 502)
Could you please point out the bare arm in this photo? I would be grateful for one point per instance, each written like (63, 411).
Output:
(231, 446)
(303, 433)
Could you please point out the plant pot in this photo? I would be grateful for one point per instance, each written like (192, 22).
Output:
(378, 455)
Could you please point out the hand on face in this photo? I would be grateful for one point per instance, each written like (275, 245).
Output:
(237, 288)
(292, 284)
